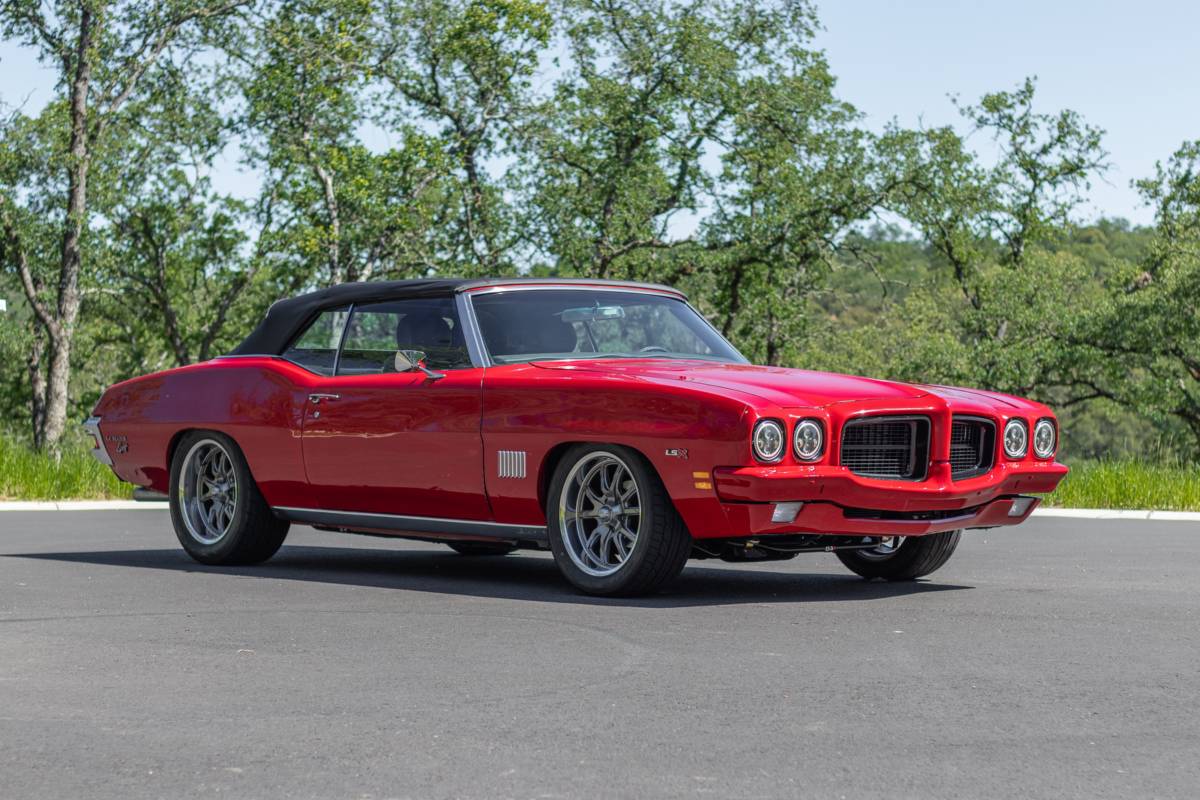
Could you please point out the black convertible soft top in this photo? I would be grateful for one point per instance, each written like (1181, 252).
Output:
(287, 318)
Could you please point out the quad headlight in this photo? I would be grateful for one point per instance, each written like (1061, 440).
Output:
(1016, 438)
(768, 440)
(808, 440)
(1045, 437)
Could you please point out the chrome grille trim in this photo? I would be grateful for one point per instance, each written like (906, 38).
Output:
(512, 463)
(972, 446)
(888, 447)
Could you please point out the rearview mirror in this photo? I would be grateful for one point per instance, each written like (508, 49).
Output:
(593, 313)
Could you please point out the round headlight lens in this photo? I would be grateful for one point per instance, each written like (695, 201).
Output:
(1016, 438)
(809, 440)
(768, 440)
(1044, 438)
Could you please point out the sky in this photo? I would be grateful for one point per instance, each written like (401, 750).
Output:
(1130, 69)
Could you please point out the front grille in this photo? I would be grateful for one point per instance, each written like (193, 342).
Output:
(887, 447)
(972, 444)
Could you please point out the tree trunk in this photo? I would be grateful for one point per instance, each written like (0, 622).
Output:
(37, 385)
(735, 302)
(59, 374)
(337, 272)
(54, 421)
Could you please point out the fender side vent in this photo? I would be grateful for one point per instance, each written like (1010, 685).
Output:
(511, 463)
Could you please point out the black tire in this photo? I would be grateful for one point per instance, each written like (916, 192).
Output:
(915, 558)
(481, 548)
(662, 543)
(252, 533)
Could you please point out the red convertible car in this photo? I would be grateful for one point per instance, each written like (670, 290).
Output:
(605, 421)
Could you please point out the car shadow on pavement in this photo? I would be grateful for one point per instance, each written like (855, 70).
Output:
(515, 577)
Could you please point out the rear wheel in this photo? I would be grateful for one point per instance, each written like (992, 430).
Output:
(219, 515)
(481, 548)
(613, 529)
(899, 558)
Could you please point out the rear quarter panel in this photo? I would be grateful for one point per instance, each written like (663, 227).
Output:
(259, 402)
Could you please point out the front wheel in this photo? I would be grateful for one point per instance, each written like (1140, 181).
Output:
(613, 529)
(899, 558)
(217, 510)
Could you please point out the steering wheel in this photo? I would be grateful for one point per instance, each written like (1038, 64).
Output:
(654, 348)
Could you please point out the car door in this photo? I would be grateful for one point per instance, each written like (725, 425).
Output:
(377, 440)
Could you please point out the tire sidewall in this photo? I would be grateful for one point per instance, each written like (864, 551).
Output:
(909, 562)
(222, 550)
(649, 523)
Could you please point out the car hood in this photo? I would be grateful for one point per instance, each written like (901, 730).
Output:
(777, 385)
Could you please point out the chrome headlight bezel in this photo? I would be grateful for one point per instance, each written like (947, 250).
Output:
(1015, 425)
(802, 426)
(763, 428)
(1044, 424)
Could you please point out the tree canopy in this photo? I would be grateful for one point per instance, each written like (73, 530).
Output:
(700, 144)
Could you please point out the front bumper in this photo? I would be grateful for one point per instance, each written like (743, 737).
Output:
(758, 519)
(836, 501)
(839, 485)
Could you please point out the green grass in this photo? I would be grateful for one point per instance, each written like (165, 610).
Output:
(26, 475)
(1129, 484)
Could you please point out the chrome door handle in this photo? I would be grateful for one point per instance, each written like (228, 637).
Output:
(316, 399)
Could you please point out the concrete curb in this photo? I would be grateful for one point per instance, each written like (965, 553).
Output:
(1114, 513)
(129, 505)
(79, 505)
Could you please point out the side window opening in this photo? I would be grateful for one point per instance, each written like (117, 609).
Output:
(377, 331)
(316, 348)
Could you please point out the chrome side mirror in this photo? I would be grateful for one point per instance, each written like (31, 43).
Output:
(413, 360)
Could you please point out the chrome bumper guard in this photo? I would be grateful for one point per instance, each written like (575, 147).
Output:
(99, 452)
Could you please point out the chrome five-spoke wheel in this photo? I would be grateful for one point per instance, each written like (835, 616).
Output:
(600, 514)
(613, 528)
(219, 514)
(208, 491)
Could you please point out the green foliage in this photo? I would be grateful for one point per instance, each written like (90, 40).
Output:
(1141, 343)
(1129, 484)
(699, 145)
(465, 68)
(26, 474)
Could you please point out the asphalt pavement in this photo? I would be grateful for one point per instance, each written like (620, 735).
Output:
(1058, 659)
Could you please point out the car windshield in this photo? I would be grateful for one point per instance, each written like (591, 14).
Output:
(530, 325)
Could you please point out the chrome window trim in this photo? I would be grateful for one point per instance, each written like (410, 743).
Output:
(658, 291)
(413, 524)
(535, 284)
(337, 356)
(471, 333)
